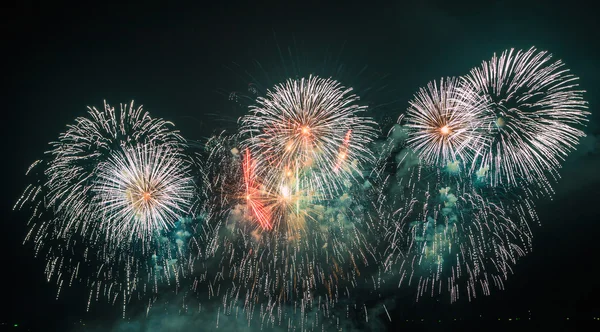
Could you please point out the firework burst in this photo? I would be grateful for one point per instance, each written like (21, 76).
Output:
(536, 110)
(75, 156)
(142, 191)
(446, 125)
(308, 126)
(290, 224)
(109, 203)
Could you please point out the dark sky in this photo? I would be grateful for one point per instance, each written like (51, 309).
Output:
(173, 59)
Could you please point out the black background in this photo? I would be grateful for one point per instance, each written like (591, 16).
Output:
(59, 58)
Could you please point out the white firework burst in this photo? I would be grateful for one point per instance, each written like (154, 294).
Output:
(98, 199)
(142, 191)
(537, 112)
(446, 125)
(90, 141)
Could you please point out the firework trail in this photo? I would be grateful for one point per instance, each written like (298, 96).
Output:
(110, 202)
(446, 235)
(253, 193)
(537, 110)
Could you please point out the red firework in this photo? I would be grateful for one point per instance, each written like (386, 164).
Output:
(256, 205)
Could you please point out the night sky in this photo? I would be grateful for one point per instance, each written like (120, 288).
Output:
(177, 61)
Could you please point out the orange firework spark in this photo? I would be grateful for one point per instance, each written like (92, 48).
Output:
(343, 153)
